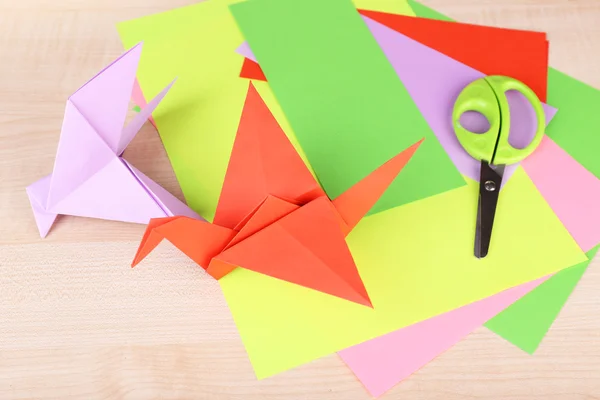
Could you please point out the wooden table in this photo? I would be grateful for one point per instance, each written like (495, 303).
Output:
(77, 323)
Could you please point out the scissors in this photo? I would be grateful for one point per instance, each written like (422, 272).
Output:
(488, 97)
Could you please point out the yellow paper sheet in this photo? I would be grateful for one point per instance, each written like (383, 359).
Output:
(416, 262)
(391, 6)
(198, 119)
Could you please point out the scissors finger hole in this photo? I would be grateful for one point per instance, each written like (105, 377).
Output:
(475, 122)
(523, 121)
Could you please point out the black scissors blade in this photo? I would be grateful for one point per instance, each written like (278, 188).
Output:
(489, 189)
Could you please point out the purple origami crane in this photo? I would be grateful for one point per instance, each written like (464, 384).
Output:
(90, 176)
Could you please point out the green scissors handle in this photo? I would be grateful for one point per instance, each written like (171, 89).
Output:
(488, 97)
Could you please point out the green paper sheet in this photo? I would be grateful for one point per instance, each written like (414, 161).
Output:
(579, 106)
(198, 120)
(349, 117)
(526, 322)
(423, 11)
(416, 262)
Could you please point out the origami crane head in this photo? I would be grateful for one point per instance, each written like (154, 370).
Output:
(274, 218)
(90, 178)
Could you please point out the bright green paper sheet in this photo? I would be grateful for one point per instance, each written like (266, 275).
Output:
(349, 117)
(198, 119)
(423, 11)
(416, 262)
(577, 130)
(526, 322)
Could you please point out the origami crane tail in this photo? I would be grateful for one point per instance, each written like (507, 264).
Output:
(199, 240)
(354, 203)
(38, 194)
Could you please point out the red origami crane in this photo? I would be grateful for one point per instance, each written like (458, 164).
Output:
(274, 218)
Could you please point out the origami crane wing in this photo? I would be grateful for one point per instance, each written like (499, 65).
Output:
(263, 162)
(90, 178)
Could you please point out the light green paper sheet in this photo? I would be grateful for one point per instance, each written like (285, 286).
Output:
(423, 11)
(349, 117)
(416, 261)
(526, 322)
(198, 120)
(579, 106)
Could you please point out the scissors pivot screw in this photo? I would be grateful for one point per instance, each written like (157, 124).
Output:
(490, 186)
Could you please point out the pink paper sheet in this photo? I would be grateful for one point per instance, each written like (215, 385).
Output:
(572, 191)
(383, 362)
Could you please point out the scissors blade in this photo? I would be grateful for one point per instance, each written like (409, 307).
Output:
(489, 189)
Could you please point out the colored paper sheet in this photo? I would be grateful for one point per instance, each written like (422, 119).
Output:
(576, 133)
(391, 6)
(283, 325)
(572, 191)
(433, 80)
(422, 10)
(251, 69)
(382, 362)
(348, 118)
(198, 120)
(526, 322)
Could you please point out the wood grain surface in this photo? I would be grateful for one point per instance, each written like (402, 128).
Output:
(77, 323)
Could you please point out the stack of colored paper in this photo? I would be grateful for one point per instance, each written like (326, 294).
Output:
(344, 87)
